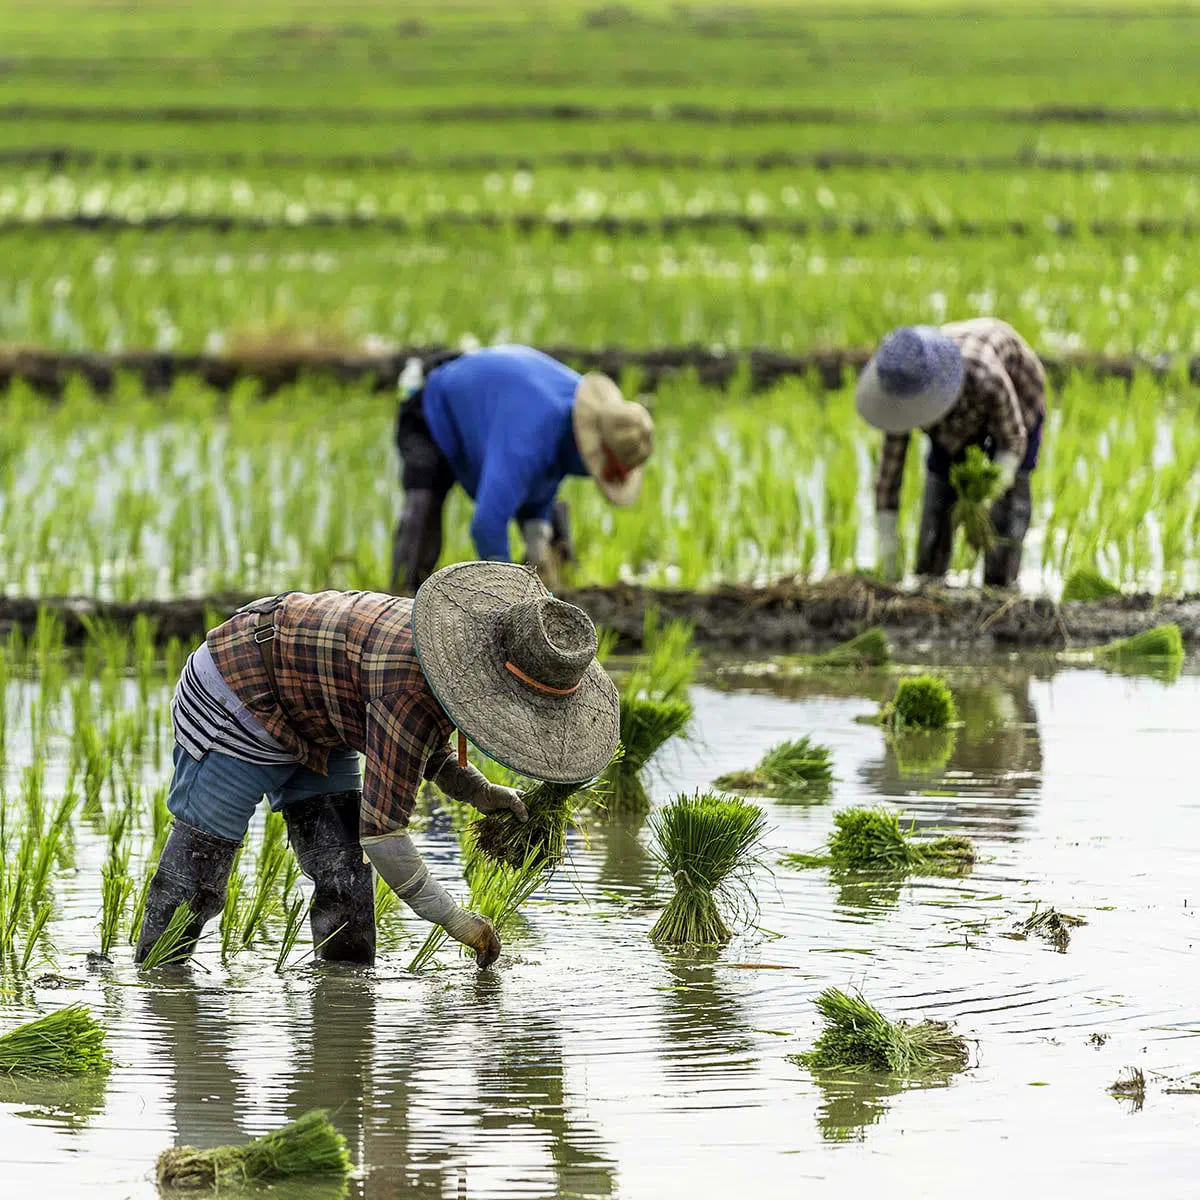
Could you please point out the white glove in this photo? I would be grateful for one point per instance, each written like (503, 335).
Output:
(1006, 463)
(888, 561)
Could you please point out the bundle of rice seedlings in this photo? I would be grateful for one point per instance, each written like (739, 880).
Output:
(68, 1041)
(1088, 586)
(869, 649)
(670, 660)
(309, 1145)
(646, 726)
(708, 843)
(794, 768)
(1163, 643)
(923, 702)
(858, 1037)
(1052, 925)
(871, 839)
(501, 838)
(976, 482)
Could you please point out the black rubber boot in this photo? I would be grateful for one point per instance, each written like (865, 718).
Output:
(1010, 516)
(323, 831)
(417, 543)
(194, 867)
(561, 540)
(936, 539)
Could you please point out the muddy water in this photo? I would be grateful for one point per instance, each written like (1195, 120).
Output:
(591, 1064)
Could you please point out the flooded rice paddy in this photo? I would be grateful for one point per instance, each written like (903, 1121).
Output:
(589, 1063)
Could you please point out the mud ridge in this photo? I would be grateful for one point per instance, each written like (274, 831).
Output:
(59, 157)
(783, 617)
(536, 223)
(48, 371)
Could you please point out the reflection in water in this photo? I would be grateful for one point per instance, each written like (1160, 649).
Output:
(867, 896)
(628, 869)
(704, 1018)
(852, 1101)
(67, 1103)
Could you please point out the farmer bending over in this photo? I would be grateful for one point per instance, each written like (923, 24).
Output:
(282, 698)
(510, 424)
(970, 383)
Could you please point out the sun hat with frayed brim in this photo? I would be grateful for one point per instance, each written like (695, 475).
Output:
(912, 381)
(516, 670)
(615, 437)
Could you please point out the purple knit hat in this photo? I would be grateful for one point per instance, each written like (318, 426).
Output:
(912, 381)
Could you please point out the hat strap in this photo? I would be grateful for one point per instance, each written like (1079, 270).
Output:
(462, 750)
(541, 687)
(615, 471)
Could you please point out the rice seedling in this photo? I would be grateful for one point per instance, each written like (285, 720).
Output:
(923, 702)
(292, 925)
(795, 769)
(68, 1041)
(309, 1145)
(669, 662)
(1162, 644)
(871, 839)
(975, 481)
(867, 649)
(1050, 924)
(116, 886)
(1130, 1086)
(646, 726)
(1088, 586)
(858, 1037)
(708, 844)
(497, 892)
(174, 943)
(232, 915)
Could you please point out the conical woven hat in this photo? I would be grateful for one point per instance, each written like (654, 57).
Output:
(516, 670)
(615, 437)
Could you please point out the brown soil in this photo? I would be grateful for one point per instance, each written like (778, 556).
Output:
(787, 616)
(274, 364)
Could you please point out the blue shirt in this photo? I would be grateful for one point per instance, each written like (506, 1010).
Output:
(502, 416)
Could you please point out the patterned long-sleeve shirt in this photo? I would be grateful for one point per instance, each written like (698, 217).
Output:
(1003, 395)
(348, 676)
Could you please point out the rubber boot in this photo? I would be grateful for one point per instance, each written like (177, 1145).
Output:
(936, 539)
(417, 544)
(1010, 516)
(194, 868)
(323, 831)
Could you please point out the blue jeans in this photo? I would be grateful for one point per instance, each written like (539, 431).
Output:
(218, 794)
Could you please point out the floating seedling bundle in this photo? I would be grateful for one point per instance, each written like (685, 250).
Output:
(1052, 925)
(795, 769)
(858, 1037)
(1162, 644)
(976, 483)
(869, 649)
(310, 1145)
(922, 703)
(871, 839)
(708, 845)
(1088, 586)
(68, 1041)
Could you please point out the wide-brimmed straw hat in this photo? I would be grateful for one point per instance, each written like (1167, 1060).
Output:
(912, 381)
(615, 437)
(516, 670)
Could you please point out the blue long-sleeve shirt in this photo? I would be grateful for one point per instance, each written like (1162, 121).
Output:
(502, 416)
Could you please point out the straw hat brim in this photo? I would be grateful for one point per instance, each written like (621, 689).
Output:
(456, 633)
(902, 414)
(596, 394)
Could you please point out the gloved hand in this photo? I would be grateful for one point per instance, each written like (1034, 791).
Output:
(538, 536)
(478, 933)
(888, 561)
(469, 785)
(1006, 462)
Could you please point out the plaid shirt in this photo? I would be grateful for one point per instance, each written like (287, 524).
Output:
(348, 676)
(1003, 396)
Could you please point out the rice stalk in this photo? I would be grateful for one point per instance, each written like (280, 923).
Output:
(309, 1145)
(868, 649)
(1088, 586)
(1050, 924)
(37, 926)
(173, 944)
(871, 839)
(793, 769)
(858, 1037)
(293, 923)
(669, 660)
(68, 1041)
(708, 844)
(646, 726)
(976, 484)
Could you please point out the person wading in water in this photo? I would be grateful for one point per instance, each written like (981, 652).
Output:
(282, 699)
(509, 424)
(970, 383)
